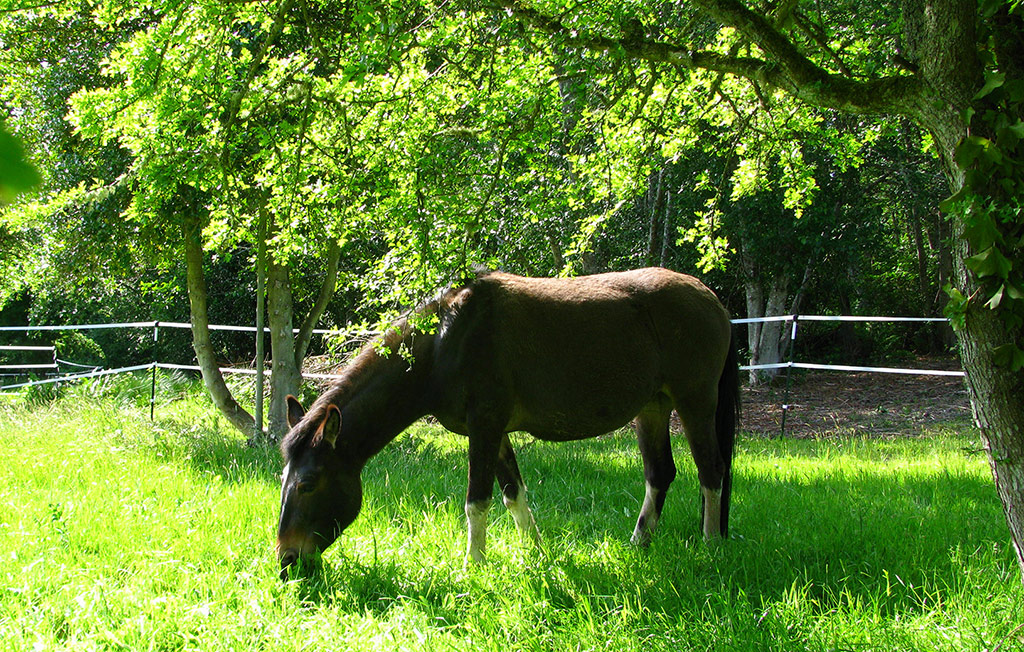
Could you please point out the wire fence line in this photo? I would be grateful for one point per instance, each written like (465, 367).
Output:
(790, 364)
(95, 372)
(167, 324)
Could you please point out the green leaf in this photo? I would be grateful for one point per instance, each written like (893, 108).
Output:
(16, 174)
(990, 262)
(1010, 356)
(996, 299)
(976, 148)
(948, 205)
(967, 151)
(956, 309)
(1014, 292)
(982, 234)
(994, 80)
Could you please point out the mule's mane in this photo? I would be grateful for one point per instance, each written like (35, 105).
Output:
(354, 377)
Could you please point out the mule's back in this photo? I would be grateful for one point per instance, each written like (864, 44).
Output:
(579, 357)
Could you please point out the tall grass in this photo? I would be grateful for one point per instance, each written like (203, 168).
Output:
(118, 533)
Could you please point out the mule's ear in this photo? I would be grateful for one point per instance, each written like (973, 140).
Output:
(295, 411)
(331, 426)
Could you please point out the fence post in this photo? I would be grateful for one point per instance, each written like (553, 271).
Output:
(56, 368)
(152, 386)
(789, 376)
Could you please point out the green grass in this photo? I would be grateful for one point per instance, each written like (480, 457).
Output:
(118, 533)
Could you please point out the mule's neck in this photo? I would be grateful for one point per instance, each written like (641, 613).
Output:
(383, 394)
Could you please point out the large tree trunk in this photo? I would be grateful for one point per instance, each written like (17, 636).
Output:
(947, 49)
(995, 390)
(995, 393)
(212, 378)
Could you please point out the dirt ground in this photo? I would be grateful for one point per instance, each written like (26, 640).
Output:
(823, 403)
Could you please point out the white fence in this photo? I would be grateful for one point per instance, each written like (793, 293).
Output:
(155, 364)
(14, 369)
(52, 369)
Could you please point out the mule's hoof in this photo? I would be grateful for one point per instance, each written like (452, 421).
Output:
(641, 539)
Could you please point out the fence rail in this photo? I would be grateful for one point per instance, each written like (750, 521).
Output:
(96, 372)
(166, 324)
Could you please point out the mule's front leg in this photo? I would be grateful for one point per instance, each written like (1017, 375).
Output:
(476, 527)
(483, 457)
(650, 513)
(659, 468)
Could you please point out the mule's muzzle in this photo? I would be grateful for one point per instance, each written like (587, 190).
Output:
(288, 559)
(298, 563)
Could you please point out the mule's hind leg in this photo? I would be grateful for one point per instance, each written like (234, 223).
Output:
(513, 492)
(699, 424)
(659, 468)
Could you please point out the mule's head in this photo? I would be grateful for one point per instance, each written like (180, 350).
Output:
(321, 492)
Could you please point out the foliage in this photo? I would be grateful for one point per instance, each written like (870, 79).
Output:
(16, 175)
(427, 138)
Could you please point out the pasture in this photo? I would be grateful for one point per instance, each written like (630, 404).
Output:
(117, 533)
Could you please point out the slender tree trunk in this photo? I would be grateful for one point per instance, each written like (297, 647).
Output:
(556, 249)
(258, 434)
(288, 347)
(765, 340)
(323, 297)
(285, 374)
(656, 206)
(773, 333)
(755, 308)
(917, 235)
(665, 230)
(212, 378)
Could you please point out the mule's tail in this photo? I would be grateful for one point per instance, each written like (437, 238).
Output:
(727, 417)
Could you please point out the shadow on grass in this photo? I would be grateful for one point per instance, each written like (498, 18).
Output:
(208, 450)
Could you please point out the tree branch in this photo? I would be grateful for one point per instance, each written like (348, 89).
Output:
(231, 112)
(787, 69)
(323, 297)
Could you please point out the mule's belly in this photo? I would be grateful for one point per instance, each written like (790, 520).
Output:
(588, 401)
(558, 428)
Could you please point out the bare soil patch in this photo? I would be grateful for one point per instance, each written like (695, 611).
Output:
(823, 403)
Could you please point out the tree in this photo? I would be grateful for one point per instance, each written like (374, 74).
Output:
(954, 67)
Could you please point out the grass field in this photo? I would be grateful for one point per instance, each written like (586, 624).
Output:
(117, 533)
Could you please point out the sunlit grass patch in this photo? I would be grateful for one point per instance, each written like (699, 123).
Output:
(121, 533)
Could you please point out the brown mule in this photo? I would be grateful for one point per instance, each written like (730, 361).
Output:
(562, 359)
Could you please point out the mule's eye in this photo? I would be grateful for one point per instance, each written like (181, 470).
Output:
(305, 487)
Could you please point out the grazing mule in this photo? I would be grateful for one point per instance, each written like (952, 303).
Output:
(561, 359)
